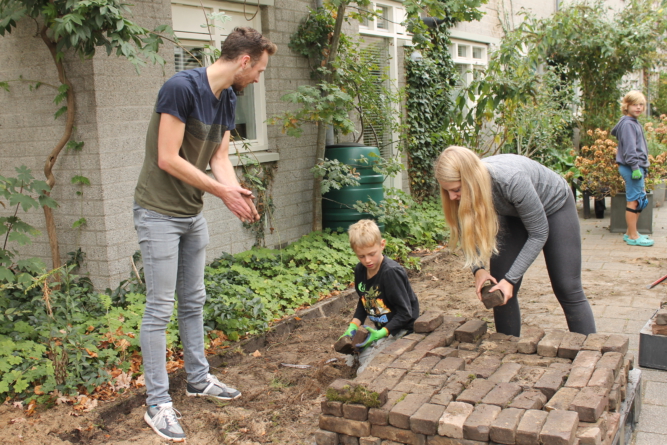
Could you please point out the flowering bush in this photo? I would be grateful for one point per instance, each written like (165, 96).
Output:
(656, 135)
(599, 171)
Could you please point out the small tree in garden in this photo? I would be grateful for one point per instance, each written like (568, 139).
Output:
(342, 87)
(80, 28)
(598, 51)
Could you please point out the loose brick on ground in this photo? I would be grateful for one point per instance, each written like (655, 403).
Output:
(589, 435)
(471, 331)
(613, 422)
(590, 403)
(502, 394)
(503, 429)
(534, 360)
(452, 420)
(355, 411)
(368, 375)
(409, 380)
(530, 337)
(398, 435)
(416, 337)
(323, 437)
(441, 440)
(484, 366)
(425, 419)
(661, 317)
(602, 377)
(528, 376)
(529, 400)
(562, 399)
(342, 387)
(478, 424)
(441, 337)
(408, 359)
(476, 391)
(579, 377)
(380, 416)
(550, 382)
(428, 321)
(571, 345)
(594, 342)
(370, 441)
(400, 414)
(332, 408)
(348, 440)
(498, 347)
(450, 319)
(435, 380)
(443, 352)
(505, 373)
(424, 389)
(426, 364)
(614, 398)
(560, 428)
(456, 383)
(548, 346)
(468, 356)
(391, 376)
(616, 343)
(449, 365)
(564, 367)
(586, 359)
(468, 346)
(528, 431)
(611, 360)
(442, 398)
(345, 426)
(400, 346)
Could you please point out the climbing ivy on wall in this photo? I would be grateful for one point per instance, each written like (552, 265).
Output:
(428, 86)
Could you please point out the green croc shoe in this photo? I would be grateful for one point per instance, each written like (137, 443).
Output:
(641, 241)
(626, 237)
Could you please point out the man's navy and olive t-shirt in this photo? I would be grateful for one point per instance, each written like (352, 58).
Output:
(387, 298)
(187, 96)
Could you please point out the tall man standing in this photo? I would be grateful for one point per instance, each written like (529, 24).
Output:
(189, 130)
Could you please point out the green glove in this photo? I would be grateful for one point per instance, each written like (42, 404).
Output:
(373, 336)
(636, 174)
(351, 330)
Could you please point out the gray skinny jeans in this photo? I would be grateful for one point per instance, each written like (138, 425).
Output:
(562, 254)
(174, 256)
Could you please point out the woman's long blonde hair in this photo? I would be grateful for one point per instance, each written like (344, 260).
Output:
(472, 220)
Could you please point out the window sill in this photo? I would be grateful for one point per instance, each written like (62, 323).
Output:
(261, 156)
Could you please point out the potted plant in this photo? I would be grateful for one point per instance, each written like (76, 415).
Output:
(600, 177)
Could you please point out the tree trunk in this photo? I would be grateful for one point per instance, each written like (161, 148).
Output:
(317, 183)
(53, 156)
(321, 126)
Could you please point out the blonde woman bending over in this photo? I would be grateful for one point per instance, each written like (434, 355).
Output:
(503, 210)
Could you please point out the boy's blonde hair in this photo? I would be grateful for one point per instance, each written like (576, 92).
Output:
(364, 233)
(472, 220)
(632, 98)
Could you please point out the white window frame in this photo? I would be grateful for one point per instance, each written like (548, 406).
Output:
(187, 30)
(395, 35)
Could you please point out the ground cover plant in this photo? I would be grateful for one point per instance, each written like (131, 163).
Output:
(63, 342)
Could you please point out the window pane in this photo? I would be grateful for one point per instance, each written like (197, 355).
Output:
(245, 114)
(185, 60)
(462, 51)
(476, 53)
(382, 22)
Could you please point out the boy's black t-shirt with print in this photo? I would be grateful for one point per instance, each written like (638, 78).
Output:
(387, 298)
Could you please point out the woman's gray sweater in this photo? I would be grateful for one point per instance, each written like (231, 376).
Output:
(528, 190)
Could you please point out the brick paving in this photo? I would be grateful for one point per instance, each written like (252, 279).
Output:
(606, 261)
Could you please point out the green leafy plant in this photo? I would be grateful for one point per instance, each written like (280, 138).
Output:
(22, 192)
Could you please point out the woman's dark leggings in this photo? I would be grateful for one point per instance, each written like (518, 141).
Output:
(562, 253)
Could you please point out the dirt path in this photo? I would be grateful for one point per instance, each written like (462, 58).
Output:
(280, 404)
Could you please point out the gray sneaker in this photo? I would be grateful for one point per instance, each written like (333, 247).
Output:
(212, 387)
(164, 421)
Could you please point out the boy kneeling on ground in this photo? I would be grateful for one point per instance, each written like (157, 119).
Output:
(385, 294)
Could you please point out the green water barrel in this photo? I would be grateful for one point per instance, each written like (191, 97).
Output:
(337, 205)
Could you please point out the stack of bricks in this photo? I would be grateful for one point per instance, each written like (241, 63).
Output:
(451, 383)
(659, 326)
